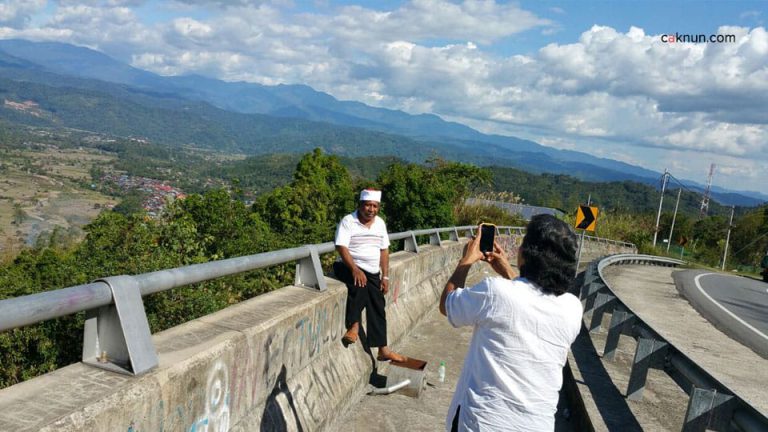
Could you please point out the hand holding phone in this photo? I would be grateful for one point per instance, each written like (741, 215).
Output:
(487, 236)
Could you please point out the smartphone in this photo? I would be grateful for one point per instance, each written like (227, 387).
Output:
(486, 239)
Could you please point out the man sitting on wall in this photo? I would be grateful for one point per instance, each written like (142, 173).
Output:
(363, 245)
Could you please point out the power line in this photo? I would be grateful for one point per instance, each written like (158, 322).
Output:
(682, 185)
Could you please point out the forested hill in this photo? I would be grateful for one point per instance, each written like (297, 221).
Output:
(550, 190)
(115, 110)
(566, 193)
(263, 173)
(190, 123)
(192, 170)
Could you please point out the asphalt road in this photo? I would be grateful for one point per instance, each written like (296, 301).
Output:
(738, 306)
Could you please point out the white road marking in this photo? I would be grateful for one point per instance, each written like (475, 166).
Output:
(746, 324)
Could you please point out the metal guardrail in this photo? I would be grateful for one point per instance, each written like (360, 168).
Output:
(524, 210)
(711, 405)
(609, 241)
(117, 335)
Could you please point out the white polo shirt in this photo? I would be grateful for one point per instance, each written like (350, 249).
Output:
(364, 243)
(514, 367)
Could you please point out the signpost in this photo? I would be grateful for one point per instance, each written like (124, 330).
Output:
(586, 220)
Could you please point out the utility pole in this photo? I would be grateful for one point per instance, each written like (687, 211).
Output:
(674, 216)
(705, 199)
(661, 201)
(581, 244)
(727, 239)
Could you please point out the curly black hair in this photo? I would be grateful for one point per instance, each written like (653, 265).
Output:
(549, 254)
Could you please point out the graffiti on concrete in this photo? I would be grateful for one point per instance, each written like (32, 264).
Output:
(255, 368)
(216, 416)
(287, 347)
(324, 386)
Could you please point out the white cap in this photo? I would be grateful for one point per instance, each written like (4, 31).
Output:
(370, 195)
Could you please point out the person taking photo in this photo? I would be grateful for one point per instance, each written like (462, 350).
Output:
(523, 329)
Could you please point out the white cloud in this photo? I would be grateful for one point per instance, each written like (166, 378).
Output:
(192, 29)
(18, 14)
(481, 21)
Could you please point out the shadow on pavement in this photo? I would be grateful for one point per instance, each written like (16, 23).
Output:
(610, 402)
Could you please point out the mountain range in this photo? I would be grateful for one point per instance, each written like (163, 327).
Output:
(55, 84)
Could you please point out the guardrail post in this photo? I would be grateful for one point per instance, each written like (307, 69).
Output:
(471, 232)
(590, 275)
(603, 301)
(434, 239)
(117, 336)
(646, 354)
(589, 293)
(309, 271)
(620, 320)
(454, 235)
(708, 410)
(410, 243)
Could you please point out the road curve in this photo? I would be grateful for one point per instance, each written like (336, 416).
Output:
(738, 306)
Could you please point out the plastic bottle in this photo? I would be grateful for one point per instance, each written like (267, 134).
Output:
(441, 372)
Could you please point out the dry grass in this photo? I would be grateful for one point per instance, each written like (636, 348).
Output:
(44, 184)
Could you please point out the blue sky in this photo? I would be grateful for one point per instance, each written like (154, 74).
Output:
(591, 76)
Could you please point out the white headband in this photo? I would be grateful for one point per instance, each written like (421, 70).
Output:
(370, 195)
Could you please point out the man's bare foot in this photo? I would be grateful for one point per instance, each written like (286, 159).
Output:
(385, 354)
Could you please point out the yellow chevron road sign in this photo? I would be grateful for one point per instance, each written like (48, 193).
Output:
(586, 218)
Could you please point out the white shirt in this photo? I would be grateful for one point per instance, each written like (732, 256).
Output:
(513, 369)
(364, 243)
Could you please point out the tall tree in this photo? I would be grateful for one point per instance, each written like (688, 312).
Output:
(416, 197)
(308, 209)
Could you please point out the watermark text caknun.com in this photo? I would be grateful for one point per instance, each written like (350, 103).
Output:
(698, 38)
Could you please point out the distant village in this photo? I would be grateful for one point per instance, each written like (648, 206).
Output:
(159, 194)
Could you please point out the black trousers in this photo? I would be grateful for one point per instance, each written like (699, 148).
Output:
(369, 298)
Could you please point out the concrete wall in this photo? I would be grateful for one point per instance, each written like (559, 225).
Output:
(271, 363)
